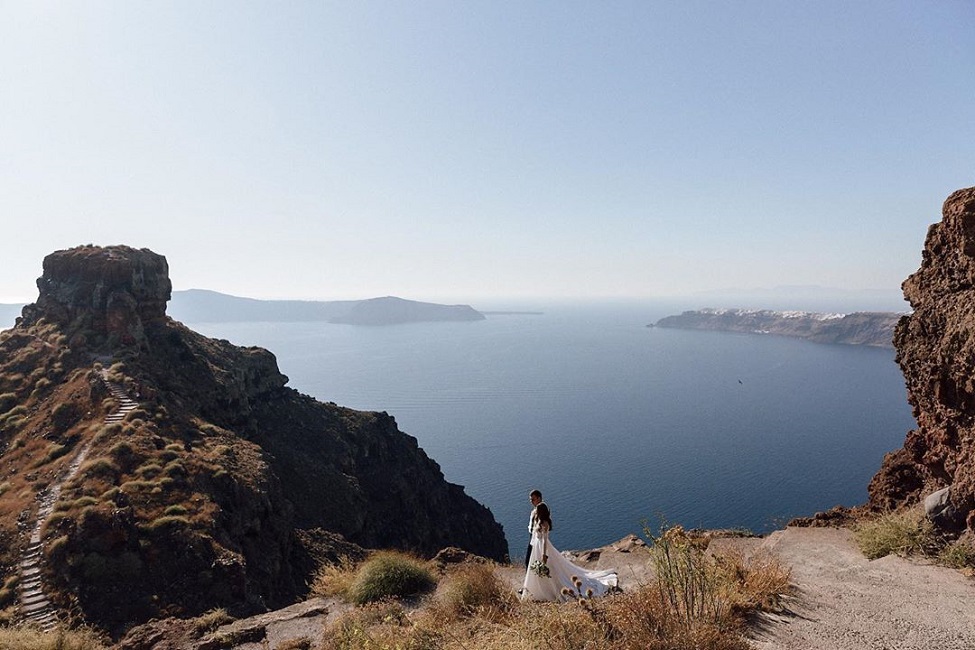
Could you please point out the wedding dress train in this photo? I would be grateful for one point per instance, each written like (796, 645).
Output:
(561, 572)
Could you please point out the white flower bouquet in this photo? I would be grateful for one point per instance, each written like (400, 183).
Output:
(540, 569)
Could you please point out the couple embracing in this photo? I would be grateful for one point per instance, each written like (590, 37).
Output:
(549, 575)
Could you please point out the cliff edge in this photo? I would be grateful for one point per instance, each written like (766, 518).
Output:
(936, 352)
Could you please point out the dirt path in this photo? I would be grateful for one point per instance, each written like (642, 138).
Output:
(846, 602)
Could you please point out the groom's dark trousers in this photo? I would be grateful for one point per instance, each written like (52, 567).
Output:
(528, 554)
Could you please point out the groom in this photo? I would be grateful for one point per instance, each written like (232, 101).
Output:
(535, 496)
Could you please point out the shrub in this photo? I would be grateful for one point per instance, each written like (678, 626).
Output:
(906, 532)
(149, 470)
(100, 467)
(390, 574)
(756, 583)
(7, 402)
(334, 579)
(168, 523)
(686, 578)
(65, 415)
(54, 452)
(472, 588)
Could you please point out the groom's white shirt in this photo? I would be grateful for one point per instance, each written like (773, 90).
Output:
(533, 521)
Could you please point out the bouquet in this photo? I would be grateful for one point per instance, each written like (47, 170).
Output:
(540, 569)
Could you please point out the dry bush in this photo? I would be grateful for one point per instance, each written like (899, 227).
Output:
(756, 583)
(334, 579)
(473, 588)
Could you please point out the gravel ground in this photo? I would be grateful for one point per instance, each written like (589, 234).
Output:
(846, 602)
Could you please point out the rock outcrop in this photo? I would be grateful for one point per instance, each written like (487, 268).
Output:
(224, 488)
(936, 352)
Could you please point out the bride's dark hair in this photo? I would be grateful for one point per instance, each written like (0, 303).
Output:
(544, 515)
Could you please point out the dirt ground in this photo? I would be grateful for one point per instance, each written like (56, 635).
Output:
(846, 602)
(842, 602)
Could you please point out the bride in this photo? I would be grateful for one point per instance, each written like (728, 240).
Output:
(549, 572)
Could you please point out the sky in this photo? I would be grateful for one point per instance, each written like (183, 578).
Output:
(467, 150)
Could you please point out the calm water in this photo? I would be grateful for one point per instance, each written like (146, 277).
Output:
(615, 422)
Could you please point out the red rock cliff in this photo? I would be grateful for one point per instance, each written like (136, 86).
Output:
(936, 352)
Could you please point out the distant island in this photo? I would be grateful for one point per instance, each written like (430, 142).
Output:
(859, 328)
(202, 306)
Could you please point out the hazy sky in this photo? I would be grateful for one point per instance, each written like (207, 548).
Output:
(458, 150)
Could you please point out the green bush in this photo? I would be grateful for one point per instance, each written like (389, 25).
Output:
(390, 574)
(65, 415)
(906, 532)
(168, 523)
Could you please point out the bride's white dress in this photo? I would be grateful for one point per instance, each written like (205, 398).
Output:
(561, 573)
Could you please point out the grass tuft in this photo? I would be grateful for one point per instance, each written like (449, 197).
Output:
(390, 574)
(904, 532)
(471, 589)
(210, 621)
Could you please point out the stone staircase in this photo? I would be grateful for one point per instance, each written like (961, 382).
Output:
(35, 607)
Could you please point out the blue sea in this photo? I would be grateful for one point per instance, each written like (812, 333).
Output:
(617, 423)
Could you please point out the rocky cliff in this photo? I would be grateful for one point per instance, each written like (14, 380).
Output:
(860, 328)
(936, 352)
(222, 489)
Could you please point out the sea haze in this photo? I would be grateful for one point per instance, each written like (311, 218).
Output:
(615, 422)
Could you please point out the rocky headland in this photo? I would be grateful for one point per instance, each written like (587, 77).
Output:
(936, 352)
(859, 328)
(201, 306)
(219, 486)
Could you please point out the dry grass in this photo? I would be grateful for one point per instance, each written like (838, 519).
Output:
(471, 590)
(334, 579)
(31, 638)
(698, 601)
(210, 621)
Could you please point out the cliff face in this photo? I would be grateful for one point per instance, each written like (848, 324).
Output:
(220, 489)
(936, 352)
(860, 328)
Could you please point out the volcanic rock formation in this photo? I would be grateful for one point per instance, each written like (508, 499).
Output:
(224, 488)
(936, 352)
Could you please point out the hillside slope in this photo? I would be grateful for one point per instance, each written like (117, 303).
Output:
(223, 488)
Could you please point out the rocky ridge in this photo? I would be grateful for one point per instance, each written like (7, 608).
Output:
(223, 488)
(936, 352)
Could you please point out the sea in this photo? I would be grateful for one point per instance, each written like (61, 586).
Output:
(625, 428)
